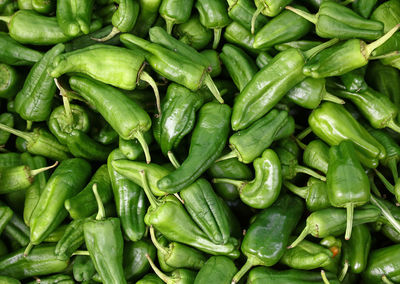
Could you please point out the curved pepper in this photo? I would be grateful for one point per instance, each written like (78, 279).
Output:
(217, 269)
(14, 53)
(11, 81)
(333, 124)
(238, 35)
(267, 237)
(74, 17)
(34, 101)
(147, 15)
(261, 192)
(207, 142)
(193, 33)
(135, 261)
(175, 12)
(109, 101)
(242, 11)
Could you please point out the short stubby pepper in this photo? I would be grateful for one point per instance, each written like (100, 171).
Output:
(74, 17)
(175, 12)
(193, 33)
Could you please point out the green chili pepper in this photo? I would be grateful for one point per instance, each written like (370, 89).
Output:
(300, 44)
(315, 193)
(150, 278)
(248, 144)
(207, 142)
(43, 6)
(34, 101)
(10, 81)
(41, 261)
(240, 66)
(343, 57)
(175, 12)
(212, 57)
(56, 235)
(14, 53)
(109, 101)
(10, 160)
(160, 256)
(193, 33)
(269, 8)
(332, 221)
(74, 17)
(229, 169)
(267, 237)
(217, 269)
(354, 80)
(268, 86)
(147, 16)
(104, 241)
(308, 255)
(261, 192)
(364, 7)
(242, 11)
(66, 181)
(238, 35)
(333, 124)
(132, 148)
(334, 20)
(162, 214)
(263, 59)
(382, 265)
(6, 119)
(178, 255)
(310, 92)
(106, 134)
(285, 27)
(173, 66)
(261, 275)
(130, 199)
(9, 280)
(135, 261)
(5, 216)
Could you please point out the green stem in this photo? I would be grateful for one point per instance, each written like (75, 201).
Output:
(349, 223)
(211, 86)
(254, 18)
(81, 252)
(101, 213)
(156, 243)
(139, 136)
(228, 156)
(309, 17)
(390, 54)
(313, 51)
(246, 267)
(28, 249)
(392, 125)
(375, 44)
(159, 273)
(386, 280)
(150, 196)
(301, 144)
(392, 165)
(304, 133)
(236, 183)
(217, 37)
(231, 3)
(304, 170)
(38, 171)
(25, 135)
(173, 160)
(385, 182)
(144, 76)
(324, 279)
(374, 188)
(386, 213)
(29, 124)
(6, 19)
(113, 33)
(301, 237)
(331, 98)
(344, 270)
(67, 106)
(300, 191)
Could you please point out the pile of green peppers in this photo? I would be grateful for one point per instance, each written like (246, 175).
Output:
(199, 141)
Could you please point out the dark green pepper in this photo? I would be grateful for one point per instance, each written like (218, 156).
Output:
(10, 159)
(354, 80)
(212, 57)
(14, 53)
(150, 278)
(175, 12)
(147, 16)
(242, 11)
(132, 148)
(300, 44)
(6, 119)
(74, 17)
(217, 269)
(5, 216)
(43, 6)
(267, 237)
(364, 7)
(10, 81)
(238, 35)
(135, 261)
(193, 33)
(270, 8)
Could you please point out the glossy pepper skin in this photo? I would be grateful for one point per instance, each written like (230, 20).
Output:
(333, 123)
(208, 140)
(41, 261)
(147, 15)
(135, 261)
(218, 269)
(264, 189)
(150, 278)
(130, 200)
(271, 8)
(104, 241)
(356, 250)
(7, 119)
(364, 7)
(285, 27)
(354, 80)
(43, 6)
(238, 35)
(14, 53)
(34, 101)
(193, 33)
(241, 11)
(11, 81)
(132, 148)
(382, 262)
(69, 177)
(83, 268)
(175, 12)
(5, 216)
(109, 101)
(282, 216)
(74, 17)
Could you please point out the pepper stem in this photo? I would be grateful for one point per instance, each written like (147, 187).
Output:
(173, 160)
(28, 249)
(148, 79)
(150, 196)
(304, 133)
(309, 17)
(385, 182)
(349, 224)
(211, 86)
(246, 267)
(324, 279)
(374, 188)
(113, 33)
(254, 18)
(313, 51)
(304, 170)
(375, 44)
(228, 156)
(25, 135)
(344, 270)
(392, 164)
(139, 136)
(386, 213)
(169, 25)
(331, 98)
(386, 280)
(67, 106)
(80, 252)
(38, 171)
(390, 54)
(217, 37)
(299, 143)
(159, 273)
(29, 124)
(236, 183)
(301, 237)
(300, 191)
(101, 213)
(6, 19)
(156, 243)
(392, 125)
